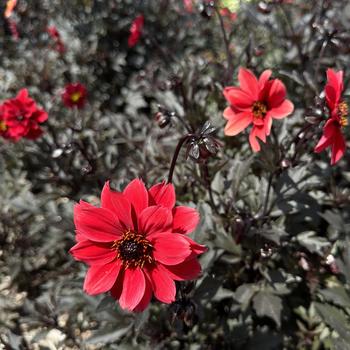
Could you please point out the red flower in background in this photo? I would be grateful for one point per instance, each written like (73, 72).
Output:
(136, 244)
(10, 6)
(255, 102)
(136, 30)
(188, 4)
(74, 95)
(338, 112)
(56, 37)
(20, 117)
(227, 13)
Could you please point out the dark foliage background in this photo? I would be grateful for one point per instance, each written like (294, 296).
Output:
(276, 223)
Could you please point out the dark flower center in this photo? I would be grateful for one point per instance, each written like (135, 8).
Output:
(259, 109)
(134, 250)
(343, 111)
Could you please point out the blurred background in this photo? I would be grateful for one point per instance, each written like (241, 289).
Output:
(273, 281)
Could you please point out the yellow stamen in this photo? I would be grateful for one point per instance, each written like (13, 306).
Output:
(3, 126)
(343, 111)
(75, 97)
(259, 109)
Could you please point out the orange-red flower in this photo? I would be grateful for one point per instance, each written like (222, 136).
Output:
(74, 95)
(20, 117)
(10, 6)
(256, 102)
(338, 112)
(136, 30)
(136, 244)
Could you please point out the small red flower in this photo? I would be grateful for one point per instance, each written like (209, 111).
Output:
(338, 112)
(188, 4)
(21, 117)
(56, 37)
(136, 30)
(136, 244)
(10, 6)
(74, 95)
(255, 102)
(227, 13)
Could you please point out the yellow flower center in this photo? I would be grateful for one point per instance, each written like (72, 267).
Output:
(75, 97)
(3, 126)
(134, 250)
(259, 109)
(343, 111)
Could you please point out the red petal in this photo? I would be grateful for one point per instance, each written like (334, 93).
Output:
(163, 286)
(264, 77)
(329, 132)
(185, 219)
(277, 93)
(334, 87)
(117, 288)
(188, 270)
(282, 111)
(238, 123)
(248, 83)
(137, 195)
(170, 248)
(146, 297)
(338, 148)
(155, 219)
(229, 113)
(163, 194)
(101, 278)
(96, 224)
(238, 98)
(93, 253)
(118, 204)
(256, 132)
(134, 285)
(195, 247)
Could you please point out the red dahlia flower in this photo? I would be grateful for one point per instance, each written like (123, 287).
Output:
(56, 37)
(136, 244)
(338, 111)
(21, 117)
(255, 102)
(136, 30)
(74, 95)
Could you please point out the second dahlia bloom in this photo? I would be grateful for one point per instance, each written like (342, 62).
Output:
(136, 30)
(256, 102)
(21, 117)
(136, 244)
(338, 111)
(74, 95)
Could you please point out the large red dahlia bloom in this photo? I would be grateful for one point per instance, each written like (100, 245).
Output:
(136, 30)
(338, 112)
(136, 244)
(74, 95)
(20, 117)
(255, 102)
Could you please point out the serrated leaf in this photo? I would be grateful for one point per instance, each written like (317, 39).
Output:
(269, 305)
(245, 292)
(336, 295)
(313, 243)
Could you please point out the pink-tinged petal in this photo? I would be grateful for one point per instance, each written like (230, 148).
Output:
(188, 270)
(267, 124)
(334, 87)
(282, 111)
(101, 278)
(96, 224)
(237, 124)
(185, 219)
(248, 83)
(252, 137)
(338, 148)
(162, 194)
(323, 143)
(155, 219)
(93, 253)
(238, 98)
(229, 113)
(137, 195)
(22, 94)
(264, 77)
(118, 204)
(141, 306)
(79, 237)
(163, 286)
(170, 248)
(277, 94)
(134, 285)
